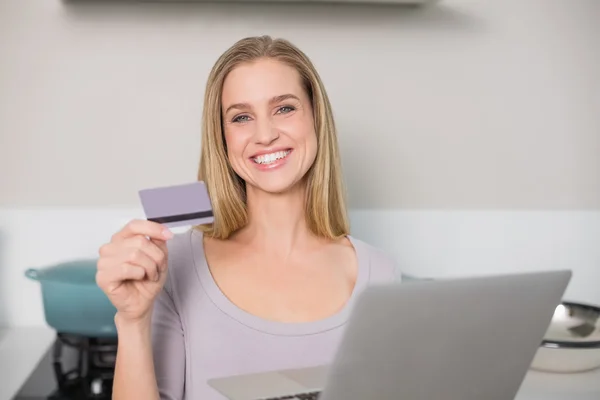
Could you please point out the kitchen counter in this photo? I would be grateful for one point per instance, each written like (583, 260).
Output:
(21, 350)
(550, 386)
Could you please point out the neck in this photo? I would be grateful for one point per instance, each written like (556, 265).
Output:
(277, 222)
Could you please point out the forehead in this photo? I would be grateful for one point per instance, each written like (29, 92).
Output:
(261, 80)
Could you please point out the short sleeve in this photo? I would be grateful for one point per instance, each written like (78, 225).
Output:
(384, 268)
(168, 346)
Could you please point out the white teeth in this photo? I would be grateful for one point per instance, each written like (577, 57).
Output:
(270, 158)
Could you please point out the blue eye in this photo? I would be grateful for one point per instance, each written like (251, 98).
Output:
(285, 109)
(240, 118)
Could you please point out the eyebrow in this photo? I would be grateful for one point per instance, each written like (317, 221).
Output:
(274, 100)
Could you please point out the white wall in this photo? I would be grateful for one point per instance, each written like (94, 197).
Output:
(467, 104)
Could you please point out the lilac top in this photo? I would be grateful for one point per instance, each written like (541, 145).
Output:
(198, 334)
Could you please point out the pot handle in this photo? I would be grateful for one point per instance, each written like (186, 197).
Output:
(32, 274)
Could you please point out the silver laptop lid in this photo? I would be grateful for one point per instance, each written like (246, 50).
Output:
(459, 339)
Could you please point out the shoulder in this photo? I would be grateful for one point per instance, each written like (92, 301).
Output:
(383, 267)
(183, 251)
(181, 243)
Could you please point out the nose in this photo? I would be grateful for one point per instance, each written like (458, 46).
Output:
(265, 133)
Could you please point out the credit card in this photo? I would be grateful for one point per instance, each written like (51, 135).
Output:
(178, 205)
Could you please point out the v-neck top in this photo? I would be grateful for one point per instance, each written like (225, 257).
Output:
(199, 334)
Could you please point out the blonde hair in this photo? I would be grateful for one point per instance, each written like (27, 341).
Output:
(325, 203)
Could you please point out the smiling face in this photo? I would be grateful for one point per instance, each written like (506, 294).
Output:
(268, 125)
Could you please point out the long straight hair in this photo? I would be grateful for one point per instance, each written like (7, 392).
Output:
(326, 210)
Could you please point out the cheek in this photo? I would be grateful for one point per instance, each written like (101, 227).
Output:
(234, 143)
(234, 151)
(300, 128)
(310, 137)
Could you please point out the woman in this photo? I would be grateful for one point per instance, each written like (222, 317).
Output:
(270, 284)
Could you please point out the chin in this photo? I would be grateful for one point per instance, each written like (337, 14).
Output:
(276, 183)
(275, 187)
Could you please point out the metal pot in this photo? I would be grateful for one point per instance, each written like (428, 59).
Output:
(572, 342)
(73, 302)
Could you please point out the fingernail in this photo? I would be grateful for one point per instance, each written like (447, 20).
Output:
(167, 234)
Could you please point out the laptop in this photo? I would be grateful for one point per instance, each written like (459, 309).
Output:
(453, 339)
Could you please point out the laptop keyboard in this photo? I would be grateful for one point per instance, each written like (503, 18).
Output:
(300, 396)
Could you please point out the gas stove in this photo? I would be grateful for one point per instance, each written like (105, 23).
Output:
(92, 376)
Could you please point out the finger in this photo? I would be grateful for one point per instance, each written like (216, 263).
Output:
(130, 271)
(112, 269)
(151, 247)
(111, 278)
(111, 249)
(162, 246)
(107, 250)
(145, 228)
(156, 249)
(141, 259)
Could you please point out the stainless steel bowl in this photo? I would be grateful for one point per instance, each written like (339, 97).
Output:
(572, 342)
